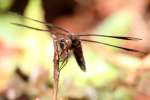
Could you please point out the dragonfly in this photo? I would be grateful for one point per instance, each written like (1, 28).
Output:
(71, 44)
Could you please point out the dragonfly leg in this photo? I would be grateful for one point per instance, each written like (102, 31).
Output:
(64, 62)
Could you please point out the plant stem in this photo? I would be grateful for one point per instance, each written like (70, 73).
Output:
(56, 70)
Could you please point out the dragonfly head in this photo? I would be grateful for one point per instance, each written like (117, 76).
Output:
(65, 43)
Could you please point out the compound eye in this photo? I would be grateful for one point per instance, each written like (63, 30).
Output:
(62, 40)
(62, 44)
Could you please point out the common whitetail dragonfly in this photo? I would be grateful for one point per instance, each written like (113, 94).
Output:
(69, 43)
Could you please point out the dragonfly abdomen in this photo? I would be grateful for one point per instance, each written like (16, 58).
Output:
(78, 53)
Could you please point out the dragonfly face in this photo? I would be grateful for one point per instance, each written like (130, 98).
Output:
(64, 45)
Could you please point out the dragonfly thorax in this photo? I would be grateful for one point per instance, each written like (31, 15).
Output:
(76, 42)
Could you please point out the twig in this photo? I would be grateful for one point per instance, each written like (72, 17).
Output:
(56, 69)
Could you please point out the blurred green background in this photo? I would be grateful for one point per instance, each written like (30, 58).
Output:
(109, 76)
